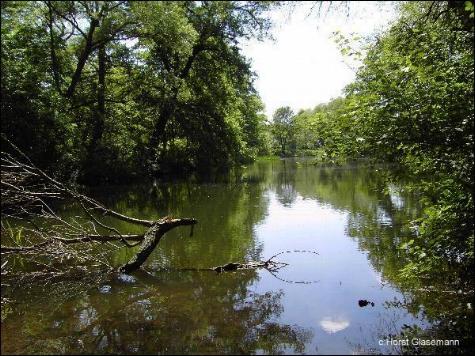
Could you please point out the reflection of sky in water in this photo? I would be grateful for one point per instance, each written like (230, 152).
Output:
(87, 316)
(396, 199)
(383, 217)
(345, 275)
(126, 278)
(333, 325)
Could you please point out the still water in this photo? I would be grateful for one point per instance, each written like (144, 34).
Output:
(351, 216)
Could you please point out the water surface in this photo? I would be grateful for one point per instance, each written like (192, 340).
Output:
(349, 215)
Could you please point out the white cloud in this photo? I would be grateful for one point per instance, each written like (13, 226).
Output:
(333, 325)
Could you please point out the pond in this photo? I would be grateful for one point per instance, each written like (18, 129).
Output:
(339, 229)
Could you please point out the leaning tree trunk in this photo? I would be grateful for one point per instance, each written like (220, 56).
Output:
(151, 239)
(26, 193)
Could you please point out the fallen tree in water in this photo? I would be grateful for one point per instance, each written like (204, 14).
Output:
(46, 239)
(58, 247)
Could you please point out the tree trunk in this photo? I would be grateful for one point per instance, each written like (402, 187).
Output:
(54, 58)
(100, 112)
(166, 112)
(151, 239)
(82, 59)
(168, 109)
(283, 143)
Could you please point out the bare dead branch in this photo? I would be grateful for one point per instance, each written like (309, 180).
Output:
(38, 231)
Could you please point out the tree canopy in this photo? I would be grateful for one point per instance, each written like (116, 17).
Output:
(115, 90)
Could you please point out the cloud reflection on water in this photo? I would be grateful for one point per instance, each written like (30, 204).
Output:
(333, 325)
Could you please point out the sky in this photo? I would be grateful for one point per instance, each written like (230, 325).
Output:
(302, 67)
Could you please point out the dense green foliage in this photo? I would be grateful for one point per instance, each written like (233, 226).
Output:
(282, 128)
(115, 90)
(412, 104)
(118, 90)
(415, 99)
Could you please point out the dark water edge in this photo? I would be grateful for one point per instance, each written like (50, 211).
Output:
(353, 216)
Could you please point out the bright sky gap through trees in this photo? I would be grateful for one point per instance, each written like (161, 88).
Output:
(302, 67)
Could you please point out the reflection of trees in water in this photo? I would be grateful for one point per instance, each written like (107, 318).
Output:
(380, 221)
(175, 312)
(451, 319)
(378, 336)
(227, 214)
(374, 219)
(434, 297)
(278, 176)
(178, 313)
(204, 312)
(284, 183)
(373, 336)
